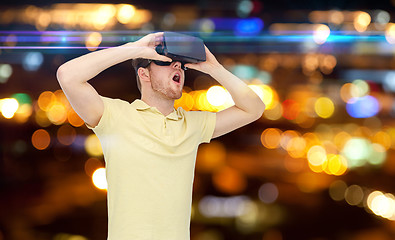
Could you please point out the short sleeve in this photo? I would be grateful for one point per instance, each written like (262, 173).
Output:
(105, 120)
(208, 126)
(202, 123)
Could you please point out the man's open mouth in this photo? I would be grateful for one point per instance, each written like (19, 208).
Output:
(176, 78)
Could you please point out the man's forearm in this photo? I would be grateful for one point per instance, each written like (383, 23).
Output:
(243, 96)
(84, 68)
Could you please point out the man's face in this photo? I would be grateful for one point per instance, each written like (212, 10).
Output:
(168, 81)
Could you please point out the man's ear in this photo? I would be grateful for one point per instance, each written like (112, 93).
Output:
(143, 74)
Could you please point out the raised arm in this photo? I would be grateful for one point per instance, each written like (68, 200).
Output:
(73, 76)
(248, 106)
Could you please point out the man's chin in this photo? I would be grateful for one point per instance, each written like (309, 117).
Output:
(178, 96)
(174, 96)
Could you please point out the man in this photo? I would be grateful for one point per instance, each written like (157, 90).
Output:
(149, 147)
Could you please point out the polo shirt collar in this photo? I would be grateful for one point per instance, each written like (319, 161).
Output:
(142, 106)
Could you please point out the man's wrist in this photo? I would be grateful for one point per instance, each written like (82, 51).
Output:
(217, 71)
(133, 49)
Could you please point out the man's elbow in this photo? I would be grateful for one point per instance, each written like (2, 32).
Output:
(62, 74)
(260, 108)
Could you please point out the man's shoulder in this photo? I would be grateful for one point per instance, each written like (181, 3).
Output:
(116, 104)
(114, 100)
(194, 114)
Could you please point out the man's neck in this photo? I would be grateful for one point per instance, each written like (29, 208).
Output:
(165, 106)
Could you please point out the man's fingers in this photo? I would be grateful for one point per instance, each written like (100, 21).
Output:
(164, 58)
(160, 57)
(192, 66)
(158, 38)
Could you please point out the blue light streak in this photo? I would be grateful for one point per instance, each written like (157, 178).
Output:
(225, 41)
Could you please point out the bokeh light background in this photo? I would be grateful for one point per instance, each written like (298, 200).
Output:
(318, 165)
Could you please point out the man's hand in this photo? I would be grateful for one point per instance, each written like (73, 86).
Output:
(146, 47)
(210, 65)
(248, 106)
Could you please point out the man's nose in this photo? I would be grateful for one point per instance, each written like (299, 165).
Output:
(177, 65)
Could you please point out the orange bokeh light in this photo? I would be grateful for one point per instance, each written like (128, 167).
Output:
(229, 180)
(74, 119)
(41, 139)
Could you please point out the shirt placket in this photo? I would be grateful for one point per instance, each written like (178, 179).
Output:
(167, 129)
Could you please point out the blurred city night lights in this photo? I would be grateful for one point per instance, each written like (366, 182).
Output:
(319, 164)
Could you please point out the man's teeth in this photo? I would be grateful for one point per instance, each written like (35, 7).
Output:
(176, 78)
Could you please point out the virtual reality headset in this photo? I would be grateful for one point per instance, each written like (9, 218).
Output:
(182, 48)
